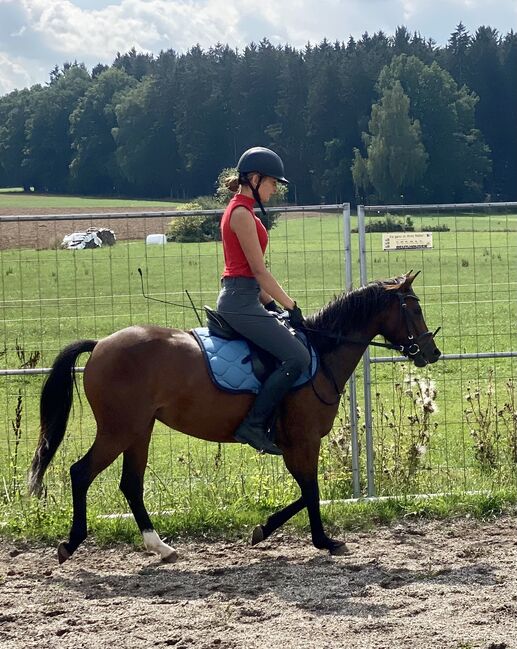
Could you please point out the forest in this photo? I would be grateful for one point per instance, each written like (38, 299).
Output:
(381, 119)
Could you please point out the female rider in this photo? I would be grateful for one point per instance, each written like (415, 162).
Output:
(249, 291)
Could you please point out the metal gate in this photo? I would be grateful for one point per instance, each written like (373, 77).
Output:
(470, 290)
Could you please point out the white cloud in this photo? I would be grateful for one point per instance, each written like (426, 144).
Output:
(35, 35)
(146, 25)
(12, 74)
(20, 32)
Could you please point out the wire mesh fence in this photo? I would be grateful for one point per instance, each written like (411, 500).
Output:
(449, 427)
(51, 296)
(453, 426)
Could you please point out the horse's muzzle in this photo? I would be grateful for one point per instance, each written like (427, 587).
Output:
(423, 351)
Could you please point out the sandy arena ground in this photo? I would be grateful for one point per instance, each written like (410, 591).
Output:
(439, 584)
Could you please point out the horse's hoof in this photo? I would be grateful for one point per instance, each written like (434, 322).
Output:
(339, 549)
(257, 535)
(170, 558)
(63, 554)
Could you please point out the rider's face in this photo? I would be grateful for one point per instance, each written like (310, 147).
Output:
(267, 188)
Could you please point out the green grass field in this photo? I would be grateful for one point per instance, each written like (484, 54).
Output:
(15, 199)
(468, 287)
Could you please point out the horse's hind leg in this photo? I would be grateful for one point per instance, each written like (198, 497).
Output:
(132, 486)
(82, 474)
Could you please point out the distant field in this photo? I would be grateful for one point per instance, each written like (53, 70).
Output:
(18, 200)
(468, 286)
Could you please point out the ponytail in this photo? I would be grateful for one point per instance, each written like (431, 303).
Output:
(232, 183)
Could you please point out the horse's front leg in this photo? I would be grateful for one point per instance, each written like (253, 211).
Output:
(302, 462)
(276, 520)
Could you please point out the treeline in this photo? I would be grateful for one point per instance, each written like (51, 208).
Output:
(377, 119)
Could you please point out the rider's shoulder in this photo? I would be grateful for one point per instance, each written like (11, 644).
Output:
(241, 212)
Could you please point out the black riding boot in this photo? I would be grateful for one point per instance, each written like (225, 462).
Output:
(254, 428)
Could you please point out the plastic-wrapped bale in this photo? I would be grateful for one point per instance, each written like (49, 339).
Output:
(160, 239)
(92, 238)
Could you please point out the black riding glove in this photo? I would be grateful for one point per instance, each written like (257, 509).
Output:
(273, 307)
(296, 317)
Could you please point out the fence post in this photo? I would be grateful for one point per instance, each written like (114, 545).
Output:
(352, 386)
(367, 380)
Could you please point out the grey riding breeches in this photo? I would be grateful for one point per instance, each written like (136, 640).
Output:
(239, 304)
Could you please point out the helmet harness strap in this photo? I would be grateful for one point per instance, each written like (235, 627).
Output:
(254, 190)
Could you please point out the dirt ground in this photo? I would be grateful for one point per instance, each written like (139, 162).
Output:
(43, 235)
(416, 585)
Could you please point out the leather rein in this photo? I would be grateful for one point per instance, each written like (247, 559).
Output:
(412, 348)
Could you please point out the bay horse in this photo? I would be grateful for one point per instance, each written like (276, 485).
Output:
(145, 373)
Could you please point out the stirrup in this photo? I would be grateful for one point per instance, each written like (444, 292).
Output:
(262, 443)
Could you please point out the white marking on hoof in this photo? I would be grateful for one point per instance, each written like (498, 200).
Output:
(153, 543)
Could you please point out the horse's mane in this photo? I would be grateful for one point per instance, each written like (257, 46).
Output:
(348, 312)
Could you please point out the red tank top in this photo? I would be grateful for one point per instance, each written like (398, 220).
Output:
(235, 262)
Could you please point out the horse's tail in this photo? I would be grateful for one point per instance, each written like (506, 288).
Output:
(55, 404)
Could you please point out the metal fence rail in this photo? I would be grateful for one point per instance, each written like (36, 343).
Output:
(50, 297)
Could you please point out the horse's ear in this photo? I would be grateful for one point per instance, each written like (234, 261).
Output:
(409, 279)
(403, 283)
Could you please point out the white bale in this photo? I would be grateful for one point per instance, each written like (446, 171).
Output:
(156, 238)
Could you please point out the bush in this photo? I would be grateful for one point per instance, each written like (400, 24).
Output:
(390, 224)
(206, 203)
(400, 224)
(437, 228)
(189, 229)
(199, 228)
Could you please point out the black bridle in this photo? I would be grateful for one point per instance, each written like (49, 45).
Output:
(419, 348)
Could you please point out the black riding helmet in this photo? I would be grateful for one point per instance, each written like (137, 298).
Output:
(263, 161)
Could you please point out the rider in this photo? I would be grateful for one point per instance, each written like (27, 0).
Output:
(249, 290)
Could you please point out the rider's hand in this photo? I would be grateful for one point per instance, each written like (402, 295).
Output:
(273, 307)
(296, 317)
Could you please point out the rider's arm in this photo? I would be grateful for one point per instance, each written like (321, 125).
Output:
(243, 224)
(265, 298)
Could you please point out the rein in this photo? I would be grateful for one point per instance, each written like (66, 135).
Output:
(411, 349)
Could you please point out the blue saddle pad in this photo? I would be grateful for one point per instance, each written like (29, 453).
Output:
(230, 366)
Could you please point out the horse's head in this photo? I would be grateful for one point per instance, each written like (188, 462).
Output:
(405, 325)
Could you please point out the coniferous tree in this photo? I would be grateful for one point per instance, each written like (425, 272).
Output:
(146, 144)
(15, 110)
(135, 64)
(454, 57)
(486, 79)
(506, 155)
(287, 134)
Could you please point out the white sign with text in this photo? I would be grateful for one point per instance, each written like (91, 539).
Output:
(407, 240)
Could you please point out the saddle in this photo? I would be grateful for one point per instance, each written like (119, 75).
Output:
(236, 364)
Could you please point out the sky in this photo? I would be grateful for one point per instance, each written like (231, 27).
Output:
(35, 35)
